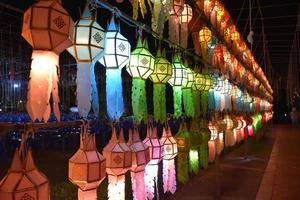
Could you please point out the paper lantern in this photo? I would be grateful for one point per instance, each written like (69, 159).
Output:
(24, 181)
(160, 76)
(196, 92)
(47, 27)
(218, 58)
(160, 15)
(175, 11)
(156, 154)
(237, 131)
(188, 103)
(178, 79)
(140, 158)
(139, 5)
(196, 147)
(140, 67)
(203, 149)
(217, 15)
(194, 26)
(231, 124)
(117, 53)
(87, 167)
(205, 36)
(212, 142)
(220, 143)
(183, 140)
(184, 18)
(88, 47)
(170, 152)
(118, 162)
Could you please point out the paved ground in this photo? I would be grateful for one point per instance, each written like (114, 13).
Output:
(239, 178)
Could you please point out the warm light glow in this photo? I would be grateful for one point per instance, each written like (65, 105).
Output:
(186, 14)
(179, 73)
(162, 69)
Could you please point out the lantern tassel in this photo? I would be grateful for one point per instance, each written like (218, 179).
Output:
(116, 187)
(211, 150)
(229, 138)
(204, 154)
(188, 102)
(138, 98)
(169, 176)
(204, 101)
(177, 96)
(87, 195)
(138, 185)
(174, 29)
(114, 94)
(194, 160)
(196, 99)
(151, 180)
(95, 97)
(211, 100)
(182, 167)
(83, 90)
(43, 81)
(159, 102)
(184, 35)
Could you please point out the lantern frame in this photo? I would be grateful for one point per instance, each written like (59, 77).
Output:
(179, 73)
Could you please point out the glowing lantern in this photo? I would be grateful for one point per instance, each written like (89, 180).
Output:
(212, 142)
(197, 87)
(156, 154)
(47, 27)
(170, 152)
(195, 25)
(184, 18)
(188, 103)
(160, 76)
(229, 135)
(117, 53)
(140, 158)
(237, 131)
(24, 181)
(203, 149)
(160, 15)
(140, 67)
(87, 167)
(205, 36)
(208, 84)
(196, 143)
(88, 47)
(217, 15)
(225, 22)
(177, 81)
(218, 58)
(233, 97)
(175, 11)
(118, 162)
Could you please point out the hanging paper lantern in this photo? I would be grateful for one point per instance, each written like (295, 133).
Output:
(140, 158)
(205, 36)
(196, 145)
(170, 152)
(160, 14)
(47, 27)
(237, 131)
(140, 67)
(177, 81)
(118, 162)
(208, 84)
(160, 76)
(203, 150)
(213, 141)
(87, 167)
(188, 103)
(194, 26)
(24, 181)
(140, 5)
(217, 15)
(175, 11)
(156, 154)
(218, 58)
(183, 140)
(88, 47)
(197, 87)
(229, 134)
(116, 56)
(184, 18)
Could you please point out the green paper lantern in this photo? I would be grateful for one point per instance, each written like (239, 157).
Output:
(160, 76)
(140, 67)
(178, 79)
(203, 150)
(187, 93)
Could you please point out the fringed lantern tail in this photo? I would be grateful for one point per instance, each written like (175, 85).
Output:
(138, 98)
(174, 29)
(204, 101)
(177, 96)
(197, 46)
(138, 185)
(229, 138)
(217, 97)
(94, 88)
(87, 195)
(220, 144)
(116, 187)
(188, 102)
(83, 90)
(182, 167)
(196, 100)
(184, 35)
(204, 155)
(194, 161)
(150, 180)
(43, 81)
(114, 94)
(211, 150)
(159, 102)
(169, 176)
(211, 100)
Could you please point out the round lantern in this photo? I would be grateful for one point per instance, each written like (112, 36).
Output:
(177, 81)
(160, 76)
(24, 181)
(184, 18)
(188, 103)
(140, 158)
(47, 27)
(118, 162)
(88, 47)
(205, 36)
(87, 167)
(140, 67)
(197, 87)
(170, 152)
(117, 53)
(156, 154)
(231, 123)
